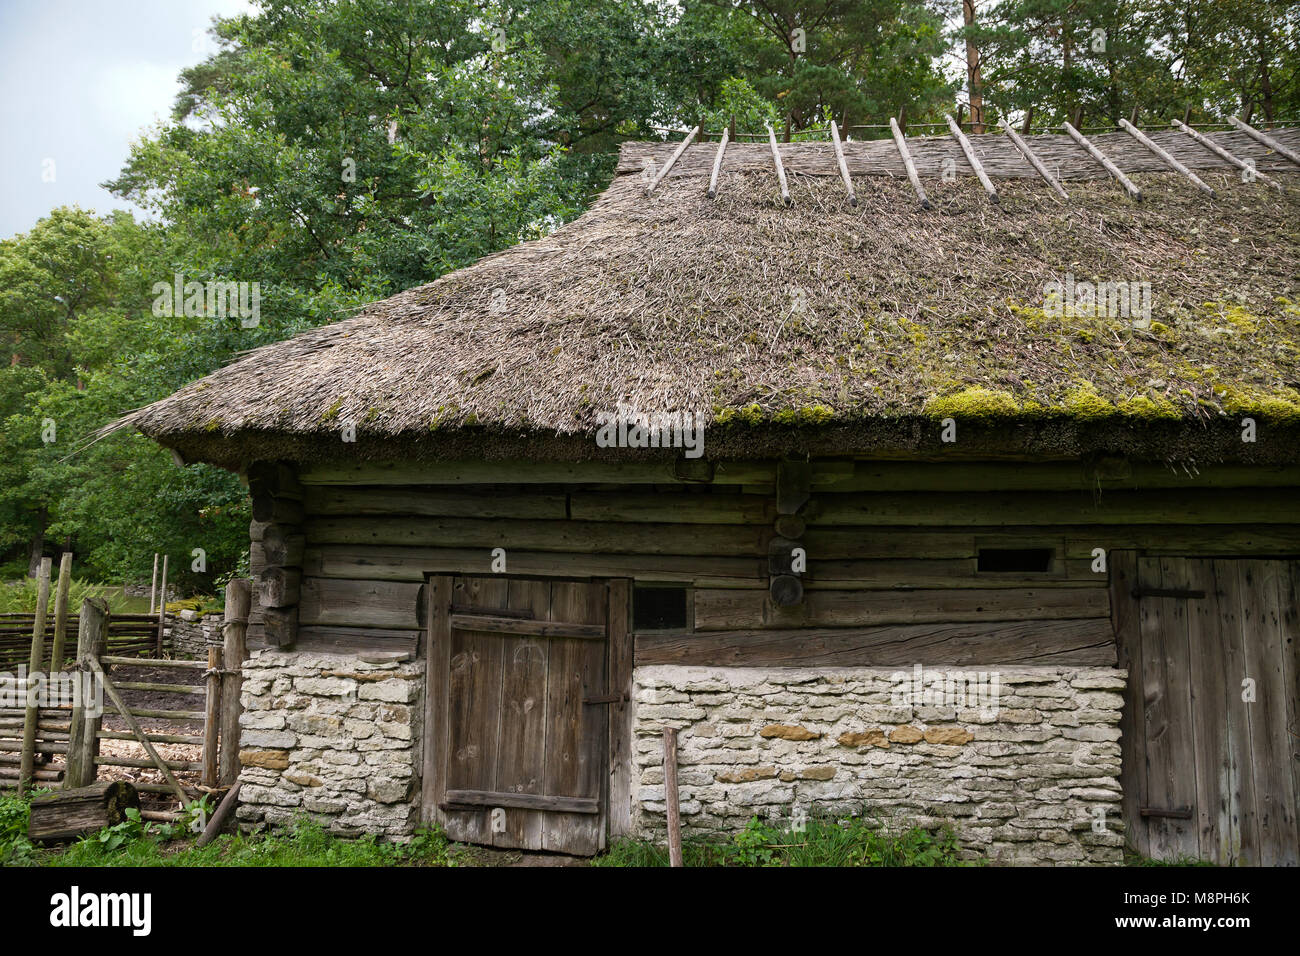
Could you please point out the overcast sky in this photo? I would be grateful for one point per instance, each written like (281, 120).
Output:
(79, 81)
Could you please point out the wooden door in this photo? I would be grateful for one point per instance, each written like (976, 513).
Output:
(1211, 750)
(520, 699)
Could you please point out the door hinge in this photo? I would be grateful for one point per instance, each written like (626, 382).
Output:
(606, 699)
(1166, 592)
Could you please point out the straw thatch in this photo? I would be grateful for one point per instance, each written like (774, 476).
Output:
(816, 327)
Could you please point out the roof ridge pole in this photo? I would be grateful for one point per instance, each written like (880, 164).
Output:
(1222, 153)
(844, 167)
(717, 163)
(1268, 141)
(780, 169)
(1036, 162)
(908, 164)
(681, 148)
(1169, 160)
(971, 158)
(1100, 157)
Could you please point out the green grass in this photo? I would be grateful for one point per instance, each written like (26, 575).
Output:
(20, 596)
(133, 843)
(853, 841)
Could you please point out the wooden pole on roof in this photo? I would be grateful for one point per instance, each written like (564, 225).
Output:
(1101, 157)
(780, 169)
(681, 148)
(1222, 153)
(1169, 160)
(1268, 141)
(908, 164)
(844, 167)
(1037, 163)
(971, 158)
(717, 163)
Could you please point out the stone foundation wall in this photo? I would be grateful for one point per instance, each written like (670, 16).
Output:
(191, 635)
(336, 737)
(1033, 779)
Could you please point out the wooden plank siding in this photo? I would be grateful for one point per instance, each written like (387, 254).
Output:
(889, 545)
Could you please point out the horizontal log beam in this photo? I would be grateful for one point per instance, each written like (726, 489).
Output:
(531, 472)
(1078, 643)
(526, 627)
(430, 501)
(719, 610)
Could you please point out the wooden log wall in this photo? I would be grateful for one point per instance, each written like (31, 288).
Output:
(892, 549)
(275, 554)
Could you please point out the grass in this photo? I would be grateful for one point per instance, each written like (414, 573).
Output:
(134, 843)
(849, 842)
(20, 596)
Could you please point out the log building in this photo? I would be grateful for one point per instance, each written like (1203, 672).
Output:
(958, 550)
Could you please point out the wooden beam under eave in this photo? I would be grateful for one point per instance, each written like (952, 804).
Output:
(1037, 163)
(971, 158)
(1165, 156)
(681, 148)
(910, 166)
(1222, 153)
(1266, 140)
(1102, 158)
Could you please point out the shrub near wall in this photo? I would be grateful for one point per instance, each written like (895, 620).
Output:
(334, 736)
(1035, 780)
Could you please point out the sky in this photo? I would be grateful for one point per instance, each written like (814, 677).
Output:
(79, 81)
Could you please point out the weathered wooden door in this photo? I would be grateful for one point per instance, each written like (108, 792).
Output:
(520, 699)
(1211, 739)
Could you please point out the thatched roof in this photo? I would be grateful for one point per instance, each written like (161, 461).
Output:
(815, 327)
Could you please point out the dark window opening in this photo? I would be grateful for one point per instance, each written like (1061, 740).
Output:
(1011, 560)
(658, 609)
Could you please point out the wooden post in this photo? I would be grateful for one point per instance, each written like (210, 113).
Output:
(717, 164)
(219, 817)
(125, 713)
(212, 718)
(1165, 156)
(61, 612)
(844, 166)
(971, 158)
(83, 738)
(1101, 157)
(1222, 153)
(162, 608)
(35, 663)
(153, 583)
(1037, 163)
(671, 799)
(780, 169)
(238, 602)
(681, 148)
(1268, 141)
(910, 166)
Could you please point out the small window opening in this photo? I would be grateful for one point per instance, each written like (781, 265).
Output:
(1016, 560)
(658, 609)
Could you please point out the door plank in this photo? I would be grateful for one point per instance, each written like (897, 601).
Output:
(521, 761)
(1274, 793)
(1155, 705)
(574, 744)
(1126, 620)
(1243, 839)
(509, 625)
(1180, 835)
(1209, 694)
(437, 662)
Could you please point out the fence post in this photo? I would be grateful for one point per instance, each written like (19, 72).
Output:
(153, 583)
(238, 601)
(671, 799)
(61, 612)
(83, 737)
(162, 608)
(212, 718)
(27, 763)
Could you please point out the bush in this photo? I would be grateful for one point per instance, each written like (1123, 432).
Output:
(15, 848)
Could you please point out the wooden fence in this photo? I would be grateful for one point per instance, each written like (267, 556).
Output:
(46, 747)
